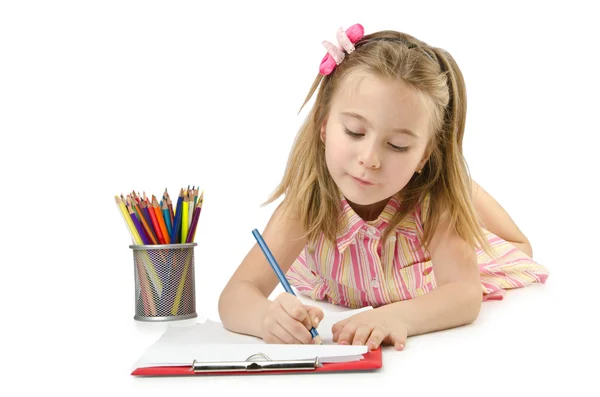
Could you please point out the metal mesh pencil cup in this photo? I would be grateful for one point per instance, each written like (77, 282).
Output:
(164, 282)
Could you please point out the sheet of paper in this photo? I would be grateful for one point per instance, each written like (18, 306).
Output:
(178, 354)
(210, 341)
(213, 332)
(331, 318)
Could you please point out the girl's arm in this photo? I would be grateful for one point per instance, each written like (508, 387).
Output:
(455, 302)
(495, 219)
(244, 300)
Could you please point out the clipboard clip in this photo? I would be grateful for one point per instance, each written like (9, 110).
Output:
(256, 363)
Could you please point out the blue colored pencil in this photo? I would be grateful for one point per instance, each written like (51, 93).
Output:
(282, 279)
(166, 216)
(175, 232)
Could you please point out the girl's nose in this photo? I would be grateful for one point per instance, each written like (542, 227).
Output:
(369, 158)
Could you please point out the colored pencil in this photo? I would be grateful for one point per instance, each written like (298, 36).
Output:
(155, 224)
(146, 213)
(138, 225)
(184, 220)
(195, 197)
(177, 220)
(151, 222)
(196, 217)
(282, 279)
(146, 291)
(177, 300)
(169, 205)
(144, 222)
(167, 218)
(128, 222)
(160, 220)
(191, 207)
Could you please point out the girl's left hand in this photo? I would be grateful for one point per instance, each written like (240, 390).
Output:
(371, 328)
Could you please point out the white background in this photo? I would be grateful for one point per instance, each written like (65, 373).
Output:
(102, 98)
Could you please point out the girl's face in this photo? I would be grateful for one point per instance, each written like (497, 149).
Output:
(375, 136)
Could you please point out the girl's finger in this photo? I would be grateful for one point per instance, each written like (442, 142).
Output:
(398, 340)
(296, 310)
(296, 329)
(316, 315)
(337, 328)
(280, 332)
(346, 335)
(361, 334)
(377, 336)
(273, 339)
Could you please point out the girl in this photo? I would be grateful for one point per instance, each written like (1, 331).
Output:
(379, 208)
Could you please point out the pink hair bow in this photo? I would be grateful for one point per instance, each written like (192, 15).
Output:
(335, 55)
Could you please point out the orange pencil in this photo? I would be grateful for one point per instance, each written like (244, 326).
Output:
(161, 221)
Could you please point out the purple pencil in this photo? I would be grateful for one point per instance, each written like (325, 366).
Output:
(190, 236)
(195, 217)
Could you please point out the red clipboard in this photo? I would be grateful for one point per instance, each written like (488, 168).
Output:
(371, 361)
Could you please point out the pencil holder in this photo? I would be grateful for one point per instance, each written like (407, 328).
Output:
(164, 282)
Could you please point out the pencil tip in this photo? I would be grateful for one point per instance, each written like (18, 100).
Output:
(318, 340)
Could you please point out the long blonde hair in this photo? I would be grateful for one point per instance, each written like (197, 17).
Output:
(311, 194)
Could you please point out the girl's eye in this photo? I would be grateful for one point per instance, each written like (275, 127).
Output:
(353, 134)
(393, 147)
(398, 148)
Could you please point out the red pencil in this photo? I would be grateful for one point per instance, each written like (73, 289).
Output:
(155, 223)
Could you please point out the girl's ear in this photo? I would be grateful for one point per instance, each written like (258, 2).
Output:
(425, 157)
(323, 128)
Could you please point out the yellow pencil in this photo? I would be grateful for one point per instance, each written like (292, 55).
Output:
(179, 292)
(184, 216)
(127, 218)
(145, 286)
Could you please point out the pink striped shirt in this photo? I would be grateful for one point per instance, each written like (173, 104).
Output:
(361, 270)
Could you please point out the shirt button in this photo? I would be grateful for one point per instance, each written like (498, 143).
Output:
(393, 238)
(353, 242)
(372, 230)
(374, 283)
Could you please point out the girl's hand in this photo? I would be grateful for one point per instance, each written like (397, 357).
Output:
(371, 328)
(287, 320)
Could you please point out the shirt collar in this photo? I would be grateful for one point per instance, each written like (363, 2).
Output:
(351, 223)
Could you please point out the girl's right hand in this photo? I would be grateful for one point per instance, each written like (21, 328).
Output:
(288, 320)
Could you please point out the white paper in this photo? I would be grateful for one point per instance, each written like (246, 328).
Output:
(210, 341)
(324, 328)
(185, 354)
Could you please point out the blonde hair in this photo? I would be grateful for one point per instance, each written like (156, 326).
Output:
(311, 194)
